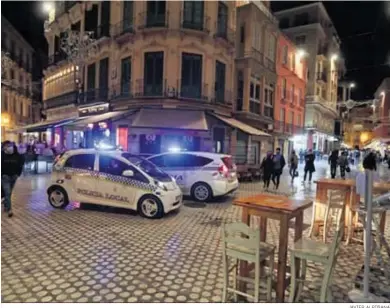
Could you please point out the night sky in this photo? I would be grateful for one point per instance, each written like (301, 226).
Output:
(364, 28)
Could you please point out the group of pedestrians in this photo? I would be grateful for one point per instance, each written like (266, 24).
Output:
(341, 161)
(273, 164)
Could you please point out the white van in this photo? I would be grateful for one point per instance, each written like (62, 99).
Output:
(113, 178)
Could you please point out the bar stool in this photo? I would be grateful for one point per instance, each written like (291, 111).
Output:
(309, 250)
(242, 243)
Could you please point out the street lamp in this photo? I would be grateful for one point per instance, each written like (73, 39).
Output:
(334, 57)
(352, 85)
(301, 53)
(47, 7)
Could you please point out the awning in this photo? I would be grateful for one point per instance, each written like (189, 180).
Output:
(173, 119)
(112, 115)
(377, 143)
(250, 130)
(42, 126)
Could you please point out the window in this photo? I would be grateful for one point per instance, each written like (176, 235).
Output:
(91, 72)
(150, 144)
(222, 19)
(111, 165)
(293, 93)
(105, 14)
(271, 48)
(180, 160)
(220, 80)
(299, 96)
(254, 155)
(153, 73)
(254, 96)
(76, 26)
(81, 161)
(284, 88)
(127, 15)
(193, 15)
(269, 101)
(282, 115)
(240, 90)
(242, 34)
(91, 18)
(191, 75)
(241, 149)
(299, 120)
(256, 38)
(103, 79)
(155, 16)
(301, 19)
(126, 76)
(219, 139)
(291, 120)
(285, 55)
(300, 40)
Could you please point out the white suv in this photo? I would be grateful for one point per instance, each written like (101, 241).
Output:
(201, 175)
(113, 178)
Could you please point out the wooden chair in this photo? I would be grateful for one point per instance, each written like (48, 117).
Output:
(309, 250)
(242, 243)
(334, 209)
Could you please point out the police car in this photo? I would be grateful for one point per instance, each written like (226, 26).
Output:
(113, 178)
(201, 175)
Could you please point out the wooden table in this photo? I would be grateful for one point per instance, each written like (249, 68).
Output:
(351, 198)
(280, 208)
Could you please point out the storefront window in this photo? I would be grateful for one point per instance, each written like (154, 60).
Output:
(242, 149)
(150, 144)
(184, 143)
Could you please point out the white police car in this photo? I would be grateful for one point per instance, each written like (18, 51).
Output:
(113, 178)
(201, 175)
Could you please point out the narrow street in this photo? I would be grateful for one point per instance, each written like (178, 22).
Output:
(91, 254)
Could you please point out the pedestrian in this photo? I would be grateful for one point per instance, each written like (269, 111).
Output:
(293, 160)
(333, 161)
(11, 168)
(343, 163)
(267, 166)
(279, 163)
(309, 165)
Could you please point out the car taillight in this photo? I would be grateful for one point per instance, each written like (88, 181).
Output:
(223, 170)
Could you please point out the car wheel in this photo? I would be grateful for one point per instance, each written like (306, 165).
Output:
(58, 198)
(201, 192)
(150, 207)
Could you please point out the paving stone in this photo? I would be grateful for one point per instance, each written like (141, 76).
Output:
(91, 255)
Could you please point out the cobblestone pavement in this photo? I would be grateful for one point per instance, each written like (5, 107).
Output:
(98, 255)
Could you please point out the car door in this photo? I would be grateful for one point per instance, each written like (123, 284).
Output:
(120, 191)
(80, 180)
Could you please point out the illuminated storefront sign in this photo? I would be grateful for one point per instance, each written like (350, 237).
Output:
(94, 110)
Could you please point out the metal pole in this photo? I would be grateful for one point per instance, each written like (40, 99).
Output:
(367, 238)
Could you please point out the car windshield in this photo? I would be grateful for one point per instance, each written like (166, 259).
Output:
(148, 167)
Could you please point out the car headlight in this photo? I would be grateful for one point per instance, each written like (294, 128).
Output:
(161, 185)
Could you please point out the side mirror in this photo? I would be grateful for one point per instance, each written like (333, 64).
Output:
(128, 173)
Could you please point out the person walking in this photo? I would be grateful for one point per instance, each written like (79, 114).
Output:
(11, 168)
(333, 161)
(293, 160)
(309, 165)
(343, 163)
(279, 163)
(267, 165)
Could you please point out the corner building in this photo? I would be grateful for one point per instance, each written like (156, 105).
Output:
(163, 76)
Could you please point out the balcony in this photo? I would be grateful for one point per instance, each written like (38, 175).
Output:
(62, 100)
(197, 92)
(322, 76)
(202, 26)
(57, 57)
(150, 20)
(225, 33)
(252, 53)
(223, 97)
(287, 128)
(122, 29)
(94, 95)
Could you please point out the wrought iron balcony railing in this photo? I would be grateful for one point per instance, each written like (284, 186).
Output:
(322, 76)
(62, 100)
(197, 91)
(123, 27)
(224, 32)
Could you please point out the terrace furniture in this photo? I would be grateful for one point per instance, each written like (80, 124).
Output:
(240, 242)
(308, 250)
(334, 208)
(280, 208)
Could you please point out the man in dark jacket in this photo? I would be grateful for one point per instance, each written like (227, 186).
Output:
(333, 160)
(279, 163)
(11, 168)
(309, 165)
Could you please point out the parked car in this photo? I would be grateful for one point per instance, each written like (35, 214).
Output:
(201, 175)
